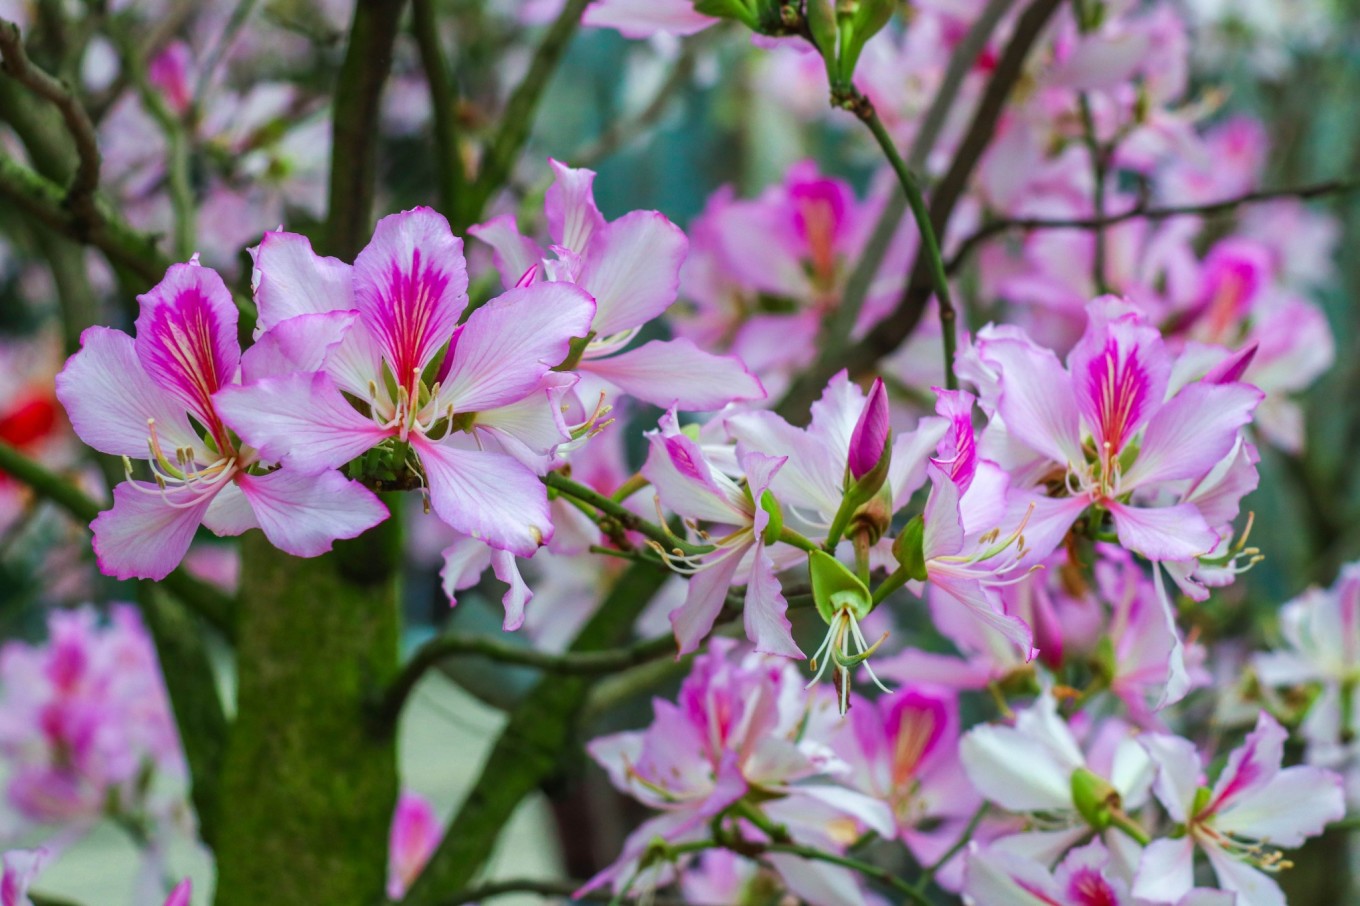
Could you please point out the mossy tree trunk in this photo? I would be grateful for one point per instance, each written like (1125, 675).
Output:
(309, 784)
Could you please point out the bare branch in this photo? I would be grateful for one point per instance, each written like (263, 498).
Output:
(15, 63)
(1144, 211)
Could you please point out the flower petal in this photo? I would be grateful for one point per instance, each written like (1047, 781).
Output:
(186, 337)
(305, 514)
(515, 255)
(410, 287)
(109, 398)
(302, 343)
(144, 536)
(645, 18)
(1163, 533)
(704, 599)
(299, 419)
(1036, 401)
(569, 204)
(1253, 887)
(677, 373)
(488, 495)
(1166, 872)
(290, 280)
(502, 352)
(633, 270)
(1192, 433)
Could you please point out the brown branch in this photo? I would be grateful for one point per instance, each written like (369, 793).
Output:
(15, 63)
(1144, 211)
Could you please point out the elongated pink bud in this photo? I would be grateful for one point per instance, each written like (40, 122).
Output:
(871, 432)
(1231, 369)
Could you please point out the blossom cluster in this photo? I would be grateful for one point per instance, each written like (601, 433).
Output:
(951, 608)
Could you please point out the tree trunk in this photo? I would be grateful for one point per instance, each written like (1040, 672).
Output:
(308, 785)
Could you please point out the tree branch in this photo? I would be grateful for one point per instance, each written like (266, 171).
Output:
(582, 663)
(517, 119)
(354, 148)
(529, 750)
(79, 195)
(625, 517)
(210, 603)
(1143, 210)
(443, 106)
(863, 108)
(842, 321)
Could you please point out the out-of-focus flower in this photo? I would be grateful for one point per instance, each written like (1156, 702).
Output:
(1255, 808)
(416, 832)
(85, 724)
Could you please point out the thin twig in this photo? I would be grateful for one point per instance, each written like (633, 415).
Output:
(1143, 210)
(79, 196)
(625, 517)
(578, 663)
(868, 869)
(841, 323)
(863, 108)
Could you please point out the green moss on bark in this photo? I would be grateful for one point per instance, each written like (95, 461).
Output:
(308, 787)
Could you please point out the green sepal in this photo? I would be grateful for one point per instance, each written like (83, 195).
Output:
(1104, 662)
(1094, 797)
(910, 548)
(821, 20)
(575, 350)
(858, 21)
(1202, 797)
(835, 587)
(729, 9)
(775, 527)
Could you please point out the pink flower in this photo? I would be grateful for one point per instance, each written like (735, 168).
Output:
(1037, 768)
(1110, 427)
(631, 267)
(477, 423)
(903, 749)
(689, 484)
(21, 866)
(416, 833)
(1255, 806)
(156, 397)
(740, 725)
(84, 719)
(1085, 877)
(1321, 630)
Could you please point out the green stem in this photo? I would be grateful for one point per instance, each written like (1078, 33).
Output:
(930, 243)
(530, 748)
(625, 517)
(934, 868)
(519, 114)
(869, 870)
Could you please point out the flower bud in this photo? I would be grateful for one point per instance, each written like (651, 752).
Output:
(870, 438)
(909, 548)
(1095, 798)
